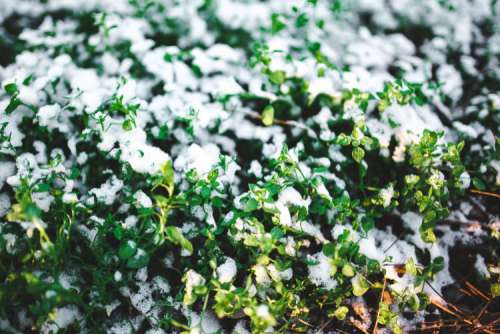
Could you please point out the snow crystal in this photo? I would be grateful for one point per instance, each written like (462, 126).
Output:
(28, 95)
(261, 275)
(481, 267)
(142, 300)
(70, 198)
(161, 284)
(206, 323)
(227, 271)
(200, 158)
(311, 229)
(108, 191)
(141, 156)
(240, 328)
(64, 316)
(43, 200)
(386, 195)
(47, 116)
(290, 196)
(143, 199)
(320, 274)
(117, 276)
(7, 169)
(4, 204)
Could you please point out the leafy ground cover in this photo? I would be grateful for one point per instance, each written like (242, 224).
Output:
(224, 166)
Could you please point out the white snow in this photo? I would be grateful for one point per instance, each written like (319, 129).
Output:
(320, 274)
(481, 267)
(200, 158)
(227, 271)
(142, 199)
(108, 191)
(386, 195)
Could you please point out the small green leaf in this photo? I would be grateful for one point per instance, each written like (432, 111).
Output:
(139, 260)
(268, 115)
(277, 233)
(174, 234)
(329, 249)
(276, 24)
(127, 125)
(251, 205)
(277, 77)
(358, 154)
(495, 290)
(348, 270)
(13, 104)
(167, 180)
(359, 285)
(438, 264)
(414, 302)
(11, 88)
(341, 312)
(127, 249)
(118, 232)
(343, 139)
(428, 235)
(478, 183)
(410, 267)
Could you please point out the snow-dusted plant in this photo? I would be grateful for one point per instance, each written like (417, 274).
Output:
(227, 166)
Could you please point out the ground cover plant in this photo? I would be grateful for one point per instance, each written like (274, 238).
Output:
(225, 166)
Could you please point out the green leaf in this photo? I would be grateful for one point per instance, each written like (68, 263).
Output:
(329, 249)
(428, 235)
(343, 139)
(410, 267)
(414, 302)
(28, 80)
(358, 154)
(168, 178)
(118, 232)
(277, 77)
(13, 104)
(478, 183)
(277, 233)
(11, 88)
(41, 187)
(341, 312)
(438, 264)
(276, 24)
(359, 286)
(348, 270)
(127, 125)
(495, 290)
(268, 115)
(127, 249)
(139, 260)
(174, 234)
(251, 205)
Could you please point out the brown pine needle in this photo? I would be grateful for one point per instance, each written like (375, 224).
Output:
(484, 193)
(476, 291)
(466, 321)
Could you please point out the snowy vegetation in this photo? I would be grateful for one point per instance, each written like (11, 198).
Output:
(231, 166)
